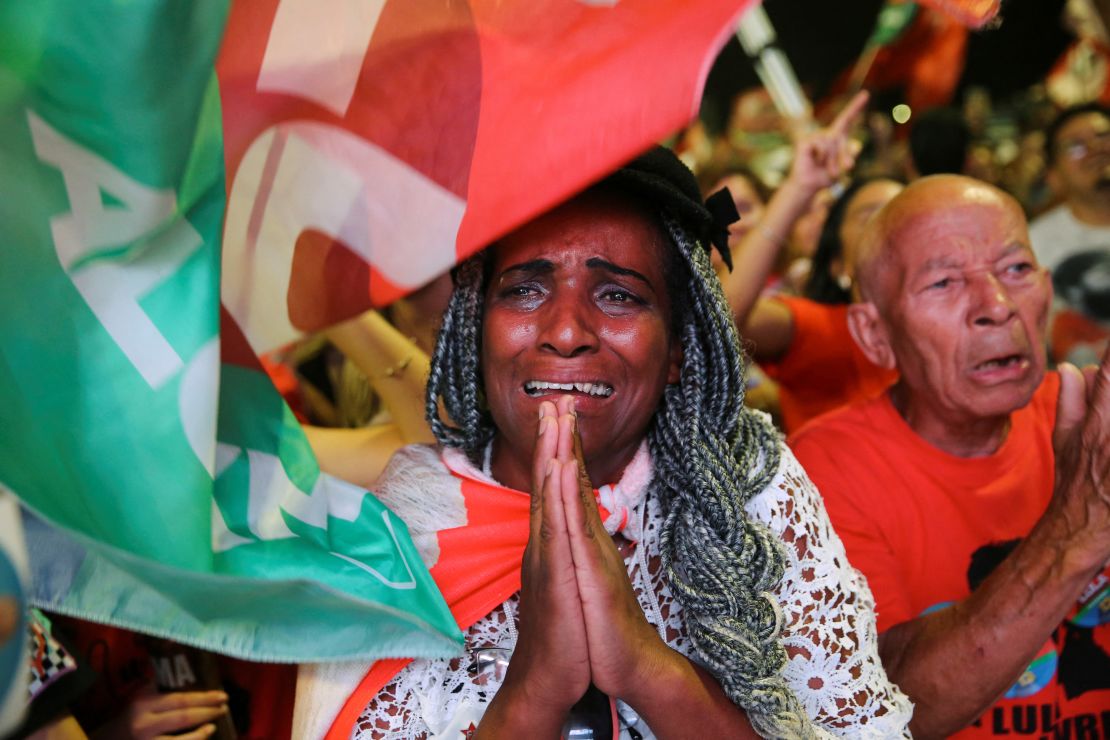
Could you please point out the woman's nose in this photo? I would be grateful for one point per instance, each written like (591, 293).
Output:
(567, 328)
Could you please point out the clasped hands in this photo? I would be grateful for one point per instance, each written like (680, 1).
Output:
(579, 618)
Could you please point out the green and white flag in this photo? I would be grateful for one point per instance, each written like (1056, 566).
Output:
(175, 493)
(324, 157)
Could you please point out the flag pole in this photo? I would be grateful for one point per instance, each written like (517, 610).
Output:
(894, 18)
(757, 37)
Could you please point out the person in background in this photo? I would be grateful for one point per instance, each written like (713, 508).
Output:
(395, 369)
(803, 343)
(973, 495)
(57, 679)
(801, 244)
(1073, 239)
(124, 702)
(820, 160)
(749, 195)
(360, 384)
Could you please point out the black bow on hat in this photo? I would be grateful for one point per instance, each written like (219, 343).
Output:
(662, 177)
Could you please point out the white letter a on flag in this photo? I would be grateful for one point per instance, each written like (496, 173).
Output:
(113, 286)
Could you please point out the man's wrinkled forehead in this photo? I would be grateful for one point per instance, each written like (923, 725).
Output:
(929, 217)
(975, 218)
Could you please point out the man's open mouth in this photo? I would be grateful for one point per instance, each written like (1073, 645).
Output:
(544, 387)
(996, 363)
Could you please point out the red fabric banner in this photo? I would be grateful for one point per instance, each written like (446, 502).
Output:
(372, 146)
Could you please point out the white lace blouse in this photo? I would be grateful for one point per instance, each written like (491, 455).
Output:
(828, 621)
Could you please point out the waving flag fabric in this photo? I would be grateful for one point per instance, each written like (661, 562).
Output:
(925, 59)
(186, 500)
(370, 147)
(919, 49)
(325, 156)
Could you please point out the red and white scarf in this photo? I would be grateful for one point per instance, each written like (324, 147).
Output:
(478, 566)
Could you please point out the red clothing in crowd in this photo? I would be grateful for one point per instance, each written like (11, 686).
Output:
(926, 527)
(260, 695)
(824, 367)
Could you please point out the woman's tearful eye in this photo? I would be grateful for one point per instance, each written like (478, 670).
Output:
(520, 293)
(621, 297)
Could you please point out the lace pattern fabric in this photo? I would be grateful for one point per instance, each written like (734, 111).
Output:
(829, 633)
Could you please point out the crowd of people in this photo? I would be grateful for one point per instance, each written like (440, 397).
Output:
(839, 467)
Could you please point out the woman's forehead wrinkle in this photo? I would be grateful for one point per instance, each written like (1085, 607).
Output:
(604, 264)
(530, 266)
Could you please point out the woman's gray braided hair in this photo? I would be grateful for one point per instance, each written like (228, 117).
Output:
(710, 453)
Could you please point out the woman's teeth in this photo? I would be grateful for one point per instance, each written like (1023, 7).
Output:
(543, 387)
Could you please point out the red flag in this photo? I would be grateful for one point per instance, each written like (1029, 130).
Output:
(372, 144)
(926, 60)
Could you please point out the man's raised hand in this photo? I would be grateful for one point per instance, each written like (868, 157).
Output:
(1081, 501)
(822, 157)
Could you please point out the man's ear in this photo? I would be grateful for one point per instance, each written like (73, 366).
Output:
(870, 332)
(674, 369)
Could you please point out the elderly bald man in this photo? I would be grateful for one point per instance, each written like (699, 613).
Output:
(975, 493)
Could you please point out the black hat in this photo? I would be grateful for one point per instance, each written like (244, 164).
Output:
(662, 178)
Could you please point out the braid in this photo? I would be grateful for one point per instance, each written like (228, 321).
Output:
(454, 374)
(710, 456)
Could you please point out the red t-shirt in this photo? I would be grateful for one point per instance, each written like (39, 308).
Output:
(824, 367)
(926, 527)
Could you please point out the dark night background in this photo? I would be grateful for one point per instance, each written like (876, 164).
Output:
(822, 39)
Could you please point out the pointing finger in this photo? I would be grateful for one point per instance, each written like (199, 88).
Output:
(849, 114)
